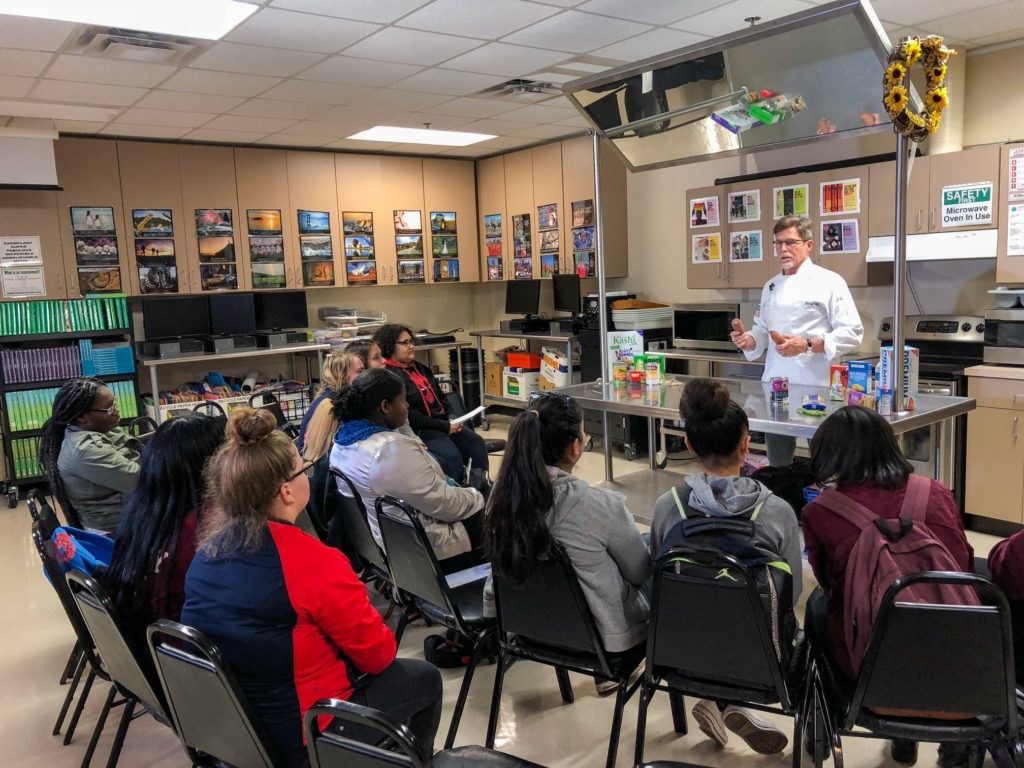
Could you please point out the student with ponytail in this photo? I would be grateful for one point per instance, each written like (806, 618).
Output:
(536, 500)
(91, 463)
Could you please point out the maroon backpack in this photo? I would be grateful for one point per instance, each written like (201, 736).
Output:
(885, 550)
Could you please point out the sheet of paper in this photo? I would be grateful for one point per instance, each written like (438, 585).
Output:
(468, 576)
(467, 416)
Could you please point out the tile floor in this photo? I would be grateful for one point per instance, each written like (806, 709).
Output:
(534, 724)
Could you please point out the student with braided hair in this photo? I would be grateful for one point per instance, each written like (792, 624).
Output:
(91, 463)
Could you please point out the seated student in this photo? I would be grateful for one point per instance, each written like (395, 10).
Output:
(91, 463)
(380, 460)
(1006, 564)
(536, 500)
(292, 620)
(339, 368)
(718, 432)
(453, 444)
(156, 538)
(855, 452)
(368, 352)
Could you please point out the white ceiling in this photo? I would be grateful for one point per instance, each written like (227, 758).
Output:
(308, 73)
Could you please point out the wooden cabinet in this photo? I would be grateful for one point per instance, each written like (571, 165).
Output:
(402, 183)
(361, 189)
(995, 450)
(1009, 269)
(851, 265)
(519, 199)
(547, 191)
(312, 187)
(261, 176)
(955, 168)
(704, 245)
(747, 242)
(34, 213)
(448, 186)
(614, 208)
(882, 200)
(495, 263)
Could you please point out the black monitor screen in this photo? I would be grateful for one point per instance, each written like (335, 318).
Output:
(175, 316)
(522, 297)
(281, 309)
(232, 314)
(567, 293)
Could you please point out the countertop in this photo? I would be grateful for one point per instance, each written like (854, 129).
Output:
(996, 372)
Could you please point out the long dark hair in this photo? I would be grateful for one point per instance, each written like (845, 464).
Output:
(170, 486)
(387, 336)
(856, 446)
(362, 398)
(73, 400)
(715, 425)
(516, 533)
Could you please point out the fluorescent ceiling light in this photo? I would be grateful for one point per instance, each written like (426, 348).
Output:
(396, 135)
(14, 108)
(204, 19)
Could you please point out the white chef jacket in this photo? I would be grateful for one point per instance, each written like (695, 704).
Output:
(812, 303)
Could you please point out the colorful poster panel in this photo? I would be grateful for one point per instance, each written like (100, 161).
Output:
(269, 275)
(549, 240)
(446, 271)
(411, 271)
(216, 250)
(357, 222)
(837, 197)
(445, 245)
(92, 221)
(315, 248)
(157, 249)
(152, 222)
(523, 269)
(408, 223)
(218, 277)
(706, 248)
(214, 221)
(263, 250)
(495, 268)
(359, 248)
(99, 279)
(263, 221)
(409, 246)
(548, 264)
(317, 273)
(839, 237)
(583, 239)
(583, 213)
(704, 212)
(790, 201)
(158, 278)
(744, 206)
(745, 246)
(314, 222)
(584, 263)
(493, 247)
(492, 225)
(361, 272)
(442, 223)
(547, 216)
(92, 251)
(522, 247)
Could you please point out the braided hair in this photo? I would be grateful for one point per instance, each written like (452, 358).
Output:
(73, 401)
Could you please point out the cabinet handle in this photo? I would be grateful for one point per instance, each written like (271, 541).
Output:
(1014, 434)
(918, 219)
(931, 219)
(718, 269)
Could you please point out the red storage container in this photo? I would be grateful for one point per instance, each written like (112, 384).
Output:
(523, 360)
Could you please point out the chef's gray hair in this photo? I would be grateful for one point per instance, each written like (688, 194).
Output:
(803, 225)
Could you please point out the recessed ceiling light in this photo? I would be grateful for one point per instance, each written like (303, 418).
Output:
(398, 135)
(204, 19)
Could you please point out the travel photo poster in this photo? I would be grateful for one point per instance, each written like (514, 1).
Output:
(523, 269)
(152, 222)
(492, 225)
(495, 268)
(442, 223)
(361, 272)
(522, 247)
(270, 275)
(446, 270)
(411, 271)
(318, 273)
(548, 264)
(584, 263)
(357, 222)
(263, 221)
(92, 221)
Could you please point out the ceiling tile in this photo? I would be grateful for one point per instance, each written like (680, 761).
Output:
(576, 121)
(538, 113)
(317, 93)
(410, 100)
(410, 46)
(441, 122)
(469, 107)
(496, 127)
(649, 44)
(560, 3)
(300, 31)
(349, 71)
(505, 60)
(226, 137)
(491, 19)
(222, 83)
(576, 32)
(362, 146)
(78, 126)
(1000, 37)
(545, 131)
(164, 117)
(362, 116)
(978, 22)
(286, 109)
(33, 34)
(383, 11)
(448, 81)
(553, 77)
(15, 87)
(263, 125)
(147, 131)
(255, 60)
(322, 129)
(287, 140)
(188, 102)
(88, 69)
(23, 63)
(649, 11)
(86, 93)
(914, 12)
(730, 18)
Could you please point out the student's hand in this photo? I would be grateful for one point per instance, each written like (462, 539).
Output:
(740, 337)
(453, 428)
(791, 346)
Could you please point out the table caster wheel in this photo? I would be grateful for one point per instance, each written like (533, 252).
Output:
(485, 425)
(12, 497)
(661, 459)
(590, 444)
(630, 452)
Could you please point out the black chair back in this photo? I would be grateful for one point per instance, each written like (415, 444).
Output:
(142, 428)
(940, 658)
(318, 493)
(713, 632)
(356, 526)
(42, 513)
(334, 750)
(214, 409)
(209, 710)
(128, 670)
(266, 400)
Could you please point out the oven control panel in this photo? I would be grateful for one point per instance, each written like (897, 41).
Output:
(959, 328)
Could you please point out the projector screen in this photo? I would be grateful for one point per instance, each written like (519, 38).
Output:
(26, 162)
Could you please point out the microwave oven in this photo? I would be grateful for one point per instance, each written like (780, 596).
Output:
(1004, 336)
(703, 326)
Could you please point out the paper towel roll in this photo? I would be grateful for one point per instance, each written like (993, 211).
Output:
(249, 382)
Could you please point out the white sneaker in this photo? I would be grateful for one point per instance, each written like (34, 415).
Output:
(760, 735)
(709, 720)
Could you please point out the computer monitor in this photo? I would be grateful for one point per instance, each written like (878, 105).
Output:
(280, 309)
(175, 317)
(232, 314)
(567, 293)
(522, 297)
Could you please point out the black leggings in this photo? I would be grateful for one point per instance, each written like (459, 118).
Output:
(453, 451)
(475, 528)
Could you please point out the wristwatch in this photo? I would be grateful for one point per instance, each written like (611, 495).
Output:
(810, 347)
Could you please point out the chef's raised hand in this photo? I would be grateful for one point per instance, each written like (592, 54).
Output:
(789, 346)
(740, 337)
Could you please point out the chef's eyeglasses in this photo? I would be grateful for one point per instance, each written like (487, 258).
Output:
(780, 244)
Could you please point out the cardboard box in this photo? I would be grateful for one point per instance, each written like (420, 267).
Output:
(519, 384)
(838, 383)
(492, 378)
(860, 378)
(911, 371)
(554, 369)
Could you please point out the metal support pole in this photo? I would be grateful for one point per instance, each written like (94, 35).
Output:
(899, 272)
(606, 441)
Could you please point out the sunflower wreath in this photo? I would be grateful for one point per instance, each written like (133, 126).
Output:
(933, 55)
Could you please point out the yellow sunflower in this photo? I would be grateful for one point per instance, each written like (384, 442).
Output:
(936, 74)
(896, 72)
(936, 99)
(912, 51)
(934, 119)
(896, 100)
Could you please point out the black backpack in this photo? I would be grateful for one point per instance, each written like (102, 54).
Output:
(734, 535)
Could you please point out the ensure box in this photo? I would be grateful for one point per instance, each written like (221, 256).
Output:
(860, 380)
(911, 371)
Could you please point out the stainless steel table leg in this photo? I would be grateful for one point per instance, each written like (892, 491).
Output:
(483, 379)
(156, 394)
(458, 361)
(938, 430)
(606, 443)
(652, 431)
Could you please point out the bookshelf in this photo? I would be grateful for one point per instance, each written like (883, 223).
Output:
(43, 344)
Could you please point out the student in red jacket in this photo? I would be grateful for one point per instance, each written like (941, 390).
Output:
(288, 613)
(1006, 564)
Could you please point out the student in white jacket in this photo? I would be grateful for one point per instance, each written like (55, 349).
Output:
(806, 320)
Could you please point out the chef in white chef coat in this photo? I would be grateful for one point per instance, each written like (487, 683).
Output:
(806, 320)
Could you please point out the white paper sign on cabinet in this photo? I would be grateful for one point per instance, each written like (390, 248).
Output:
(20, 251)
(967, 205)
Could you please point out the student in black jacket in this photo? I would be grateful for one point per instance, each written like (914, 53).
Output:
(453, 444)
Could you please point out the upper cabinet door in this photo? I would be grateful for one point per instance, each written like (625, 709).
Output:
(402, 183)
(519, 199)
(449, 188)
(313, 195)
(493, 221)
(841, 222)
(87, 173)
(33, 213)
(703, 246)
(366, 218)
(212, 224)
(882, 201)
(549, 216)
(747, 243)
(266, 229)
(578, 205)
(964, 190)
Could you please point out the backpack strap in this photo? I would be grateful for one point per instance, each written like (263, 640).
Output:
(915, 500)
(680, 504)
(851, 511)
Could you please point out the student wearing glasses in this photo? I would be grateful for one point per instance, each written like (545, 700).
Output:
(288, 613)
(806, 319)
(91, 463)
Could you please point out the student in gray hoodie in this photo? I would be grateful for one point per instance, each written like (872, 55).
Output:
(717, 431)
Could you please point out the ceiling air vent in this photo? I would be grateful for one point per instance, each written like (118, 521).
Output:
(131, 45)
(522, 89)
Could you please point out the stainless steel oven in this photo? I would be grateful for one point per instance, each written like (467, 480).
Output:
(703, 326)
(1004, 336)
